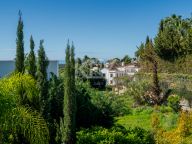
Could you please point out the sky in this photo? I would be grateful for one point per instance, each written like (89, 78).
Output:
(99, 28)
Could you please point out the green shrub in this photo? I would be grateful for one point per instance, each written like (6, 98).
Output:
(173, 102)
(165, 109)
(120, 104)
(137, 90)
(99, 108)
(143, 110)
(93, 107)
(115, 135)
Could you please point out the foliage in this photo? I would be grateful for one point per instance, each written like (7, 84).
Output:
(17, 119)
(24, 89)
(181, 134)
(98, 83)
(55, 101)
(150, 56)
(104, 111)
(140, 50)
(42, 83)
(172, 45)
(165, 109)
(174, 102)
(55, 105)
(120, 104)
(85, 109)
(140, 117)
(85, 58)
(19, 61)
(88, 69)
(137, 89)
(99, 107)
(69, 109)
(115, 135)
(155, 122)
(93, 107)
(126, 59)
(172, 40)
(31, 59)
(176, 84)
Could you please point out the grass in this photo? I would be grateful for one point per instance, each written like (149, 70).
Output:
(141, 120)
(168, 120)
(141, 117)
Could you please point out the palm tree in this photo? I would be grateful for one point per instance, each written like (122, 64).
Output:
(18, 116)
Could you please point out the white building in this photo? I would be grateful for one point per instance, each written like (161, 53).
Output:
(8, 66)
(111, 73)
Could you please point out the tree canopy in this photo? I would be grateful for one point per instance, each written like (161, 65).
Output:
(174, 38)
(19, 61)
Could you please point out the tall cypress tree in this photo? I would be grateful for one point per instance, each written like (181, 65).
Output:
(72, 68)
(153, 60)
(150, 55)
(31, 59)
(68, 134)
(73, 91)
(19, 63)
(55, 106)
(42, 82)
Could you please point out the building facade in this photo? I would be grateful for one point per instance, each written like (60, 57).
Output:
(111, 73)
(8, 66)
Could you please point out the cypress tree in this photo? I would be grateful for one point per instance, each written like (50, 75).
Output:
(68, 134)
(19, 62)
(153, 60)
(151, 56)
(72, 67)
(31, 59)
(42, 82)
(73, 91)
(147, 41)
(55, 106)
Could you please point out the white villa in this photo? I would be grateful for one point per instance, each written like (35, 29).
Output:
(8, 66)
(111, 73)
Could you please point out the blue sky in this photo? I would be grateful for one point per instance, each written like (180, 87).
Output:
(99, 28)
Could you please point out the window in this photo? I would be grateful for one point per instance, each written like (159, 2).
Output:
(103, 75)
(111, 75)
(111, 82)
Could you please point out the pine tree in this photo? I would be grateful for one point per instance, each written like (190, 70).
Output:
(19, 63)
(31, 59)
(68, 130)
(42, 83)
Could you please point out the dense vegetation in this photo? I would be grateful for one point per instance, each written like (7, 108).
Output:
(37, 109)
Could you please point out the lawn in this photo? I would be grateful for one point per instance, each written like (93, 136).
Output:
(142, 118)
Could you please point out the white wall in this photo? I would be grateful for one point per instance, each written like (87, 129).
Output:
(121, 71)
(108, 73)
(53, 67)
